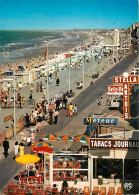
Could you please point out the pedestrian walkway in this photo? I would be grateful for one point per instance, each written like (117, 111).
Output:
(86, 101)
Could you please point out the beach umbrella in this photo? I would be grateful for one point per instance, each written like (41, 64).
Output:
(43, 149)
(27, 159)
(48, 137)
(35, 145)
(81, 138)
(65, 138)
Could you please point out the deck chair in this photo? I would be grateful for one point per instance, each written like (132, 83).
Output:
(95, 190)
(86, 190)
(102, 191)
(111, 191)
(120, 191)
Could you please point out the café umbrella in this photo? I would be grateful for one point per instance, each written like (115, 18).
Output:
(81, 138)
(65, 138)
(44, 150)
(48, 137)
(27, 159)
(40, 144)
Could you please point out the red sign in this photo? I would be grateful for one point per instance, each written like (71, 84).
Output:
(113, 143)
(126, 100)
(130, 79)
(126, 80)
(116, 89)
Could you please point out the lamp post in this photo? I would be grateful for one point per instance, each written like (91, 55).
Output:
(69, 72)
(47, 75)
(14, 109)
(20, 86)
(83, 73)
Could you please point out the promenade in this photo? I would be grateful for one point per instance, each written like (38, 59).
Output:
(76, 76)
(72, 125)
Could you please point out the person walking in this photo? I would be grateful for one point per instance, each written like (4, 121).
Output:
(65, 101)
(6, 147)
(71, 109)
(44, 92)
(57, 81)
(56, 113)
(21, 149)
(16, 150)
(51, 116)
(29, 140)
(75, 109)
(57, 104)
(41, 86)
(38, 87)
(27, 119)
(31, 87)
(5, 100)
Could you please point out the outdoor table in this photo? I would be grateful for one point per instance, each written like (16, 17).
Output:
(71, 190)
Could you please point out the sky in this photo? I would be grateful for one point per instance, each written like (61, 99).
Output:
(67, 14)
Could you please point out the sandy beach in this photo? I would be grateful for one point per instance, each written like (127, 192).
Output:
(73, 39)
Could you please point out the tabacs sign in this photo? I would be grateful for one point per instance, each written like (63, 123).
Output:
(114, 143)
(100, 121)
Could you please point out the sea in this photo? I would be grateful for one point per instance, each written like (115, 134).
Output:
(18, 45)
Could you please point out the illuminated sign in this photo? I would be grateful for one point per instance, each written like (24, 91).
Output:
(129, 79)
(126, 80)
(113, 143)
(116, 90)
(100, 121)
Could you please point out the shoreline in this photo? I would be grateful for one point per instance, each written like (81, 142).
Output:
(55, 47)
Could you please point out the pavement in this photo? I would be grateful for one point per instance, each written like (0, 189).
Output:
(88, 98)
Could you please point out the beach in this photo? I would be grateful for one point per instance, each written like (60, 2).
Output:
(18, 53)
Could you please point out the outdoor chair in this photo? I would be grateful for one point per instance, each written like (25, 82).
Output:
(5, 190)
(120, 191)
(39, 181)
(22, 181)
(111, 191)
(86, 190)
(102, 191)
(95, 190)
(21, 191)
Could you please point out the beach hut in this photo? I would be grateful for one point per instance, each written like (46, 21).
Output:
(35, 73)
(5, 82)
(26, 78)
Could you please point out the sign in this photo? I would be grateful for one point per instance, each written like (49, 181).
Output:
(114, 143)
(117, 90)
(100, 121)
(132, 79)
(126, 80)
(7, 118)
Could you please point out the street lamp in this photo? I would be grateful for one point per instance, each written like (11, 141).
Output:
(20, 86)
(47, 75)
(69, 71)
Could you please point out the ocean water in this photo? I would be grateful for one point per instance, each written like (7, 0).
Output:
(21, 45)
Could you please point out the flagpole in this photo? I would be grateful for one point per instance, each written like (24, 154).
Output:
(47, 75)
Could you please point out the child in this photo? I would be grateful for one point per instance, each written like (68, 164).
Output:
(67, 112)
(75, 109)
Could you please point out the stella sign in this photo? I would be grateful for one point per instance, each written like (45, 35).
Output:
(126, 80)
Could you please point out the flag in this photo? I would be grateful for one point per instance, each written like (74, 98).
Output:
(45, 54)
(67, 55)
